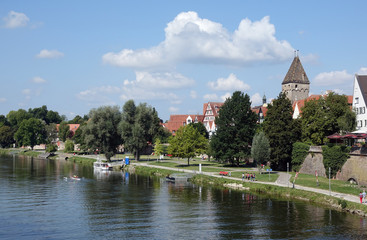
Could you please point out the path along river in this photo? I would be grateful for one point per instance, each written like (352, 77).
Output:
(37, 202)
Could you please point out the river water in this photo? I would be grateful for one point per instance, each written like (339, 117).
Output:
(37, 202)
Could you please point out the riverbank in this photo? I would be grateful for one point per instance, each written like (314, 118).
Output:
(269, 189)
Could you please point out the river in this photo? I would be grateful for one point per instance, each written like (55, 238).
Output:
(37, 202)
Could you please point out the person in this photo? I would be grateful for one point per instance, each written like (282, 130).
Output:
(229, 173)
(243, 176)
(360, 196)
(364, 196)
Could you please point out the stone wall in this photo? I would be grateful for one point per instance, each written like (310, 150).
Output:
(313, 162)
(354, 168)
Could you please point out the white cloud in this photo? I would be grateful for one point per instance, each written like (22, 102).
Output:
(38, 80)
(15, 20)
(173, 109)
(49, 54)
(231, 83)
(193, 94)
(215, 98)
(2, 100)
(189, 38)
(332, 78)
(166, 80)
(26, 91)
(362, 71)
(310, 58)
(256, 99)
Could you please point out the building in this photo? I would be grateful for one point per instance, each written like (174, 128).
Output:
(210, 111)
(177, 121)
(359, 101)
(296, 85)
(261, 110)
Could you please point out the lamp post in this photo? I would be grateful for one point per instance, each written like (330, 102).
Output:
(288, 173)
(329, 182)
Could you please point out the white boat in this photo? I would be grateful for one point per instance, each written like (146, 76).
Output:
(99, 165)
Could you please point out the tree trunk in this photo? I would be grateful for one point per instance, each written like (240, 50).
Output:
(137, 156)
(188, 161)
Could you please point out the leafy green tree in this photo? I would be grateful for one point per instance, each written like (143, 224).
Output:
(77, 120)
(64, 131)
(69, 146)
(51, 131)
(39, 113)
(236, 125)
(187, 143)
(101, 131)
(50, 148)
(158, 148)
(16, 117)
(201, 128)
(325, 116)
(53, 117)
(6, 136)
(4, 121)
(299, 153)
(279, 128)
(260, 149)
(31, 132)
(138, 126)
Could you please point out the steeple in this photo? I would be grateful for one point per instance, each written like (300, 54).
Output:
(296, 85)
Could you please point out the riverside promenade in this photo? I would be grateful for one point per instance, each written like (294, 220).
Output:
(282, 181)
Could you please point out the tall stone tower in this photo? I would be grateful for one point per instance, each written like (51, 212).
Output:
(296, 85)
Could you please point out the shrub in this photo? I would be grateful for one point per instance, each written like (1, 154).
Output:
(69, 146)
(342, 203)
(335, 157)
(50, 148)
(299, 153)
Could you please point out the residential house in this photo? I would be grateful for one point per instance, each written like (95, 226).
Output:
(359, 101)
(177, 121)
(210, 111)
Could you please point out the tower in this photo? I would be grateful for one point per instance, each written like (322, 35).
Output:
(296, 85)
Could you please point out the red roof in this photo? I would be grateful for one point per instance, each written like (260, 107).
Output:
(301, 103)
(73, 127)
(177, 121)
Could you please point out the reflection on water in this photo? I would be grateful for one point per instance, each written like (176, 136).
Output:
(38, 203)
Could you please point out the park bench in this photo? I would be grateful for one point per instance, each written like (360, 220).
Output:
(223, 173)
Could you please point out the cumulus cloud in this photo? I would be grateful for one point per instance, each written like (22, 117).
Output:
(256, 99)
(166, 80)
(214, 97)
(15, 20)
(189, 38)
(231, 83)
(2, 100)
(332, 78)
(49, 54)
(38, 80)
(99, 95)
(173, 109)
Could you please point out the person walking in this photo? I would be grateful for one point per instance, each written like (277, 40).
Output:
(243, 177)
(364, 196)
(360, 196)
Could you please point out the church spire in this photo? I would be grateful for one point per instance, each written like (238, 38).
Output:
(296, 73)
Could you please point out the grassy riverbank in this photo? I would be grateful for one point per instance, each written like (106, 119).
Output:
(268, 190)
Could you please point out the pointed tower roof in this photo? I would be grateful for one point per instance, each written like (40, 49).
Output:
(296, 73)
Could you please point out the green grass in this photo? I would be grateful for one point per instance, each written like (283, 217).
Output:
(336, 185)
(78, 159)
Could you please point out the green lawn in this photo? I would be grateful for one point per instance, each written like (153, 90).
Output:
(336, 185)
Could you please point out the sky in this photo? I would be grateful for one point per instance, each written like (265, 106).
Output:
(73, 56)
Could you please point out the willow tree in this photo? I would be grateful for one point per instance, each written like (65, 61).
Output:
(101, 131)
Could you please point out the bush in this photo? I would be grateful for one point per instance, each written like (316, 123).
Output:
(69, 146)
(299, 153)
(342, 203)
(335, 157)
(50, 148)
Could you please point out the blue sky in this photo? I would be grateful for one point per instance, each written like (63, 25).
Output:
(77, 55)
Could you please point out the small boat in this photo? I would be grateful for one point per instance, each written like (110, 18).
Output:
(99, 165)
(170, 179)
(75, 177)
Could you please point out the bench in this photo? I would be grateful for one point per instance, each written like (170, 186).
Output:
(223, 173)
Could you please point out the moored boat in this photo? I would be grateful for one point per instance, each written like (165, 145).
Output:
(99, 165)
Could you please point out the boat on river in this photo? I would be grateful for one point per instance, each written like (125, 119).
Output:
(103, 166)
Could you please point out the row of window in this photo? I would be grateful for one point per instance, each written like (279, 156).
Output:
(360, 110)
(360, 123)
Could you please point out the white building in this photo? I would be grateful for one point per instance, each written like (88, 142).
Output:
(359, 101)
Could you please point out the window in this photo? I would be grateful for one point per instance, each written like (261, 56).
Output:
(356, 100)
(365, 123)
(362, 110)
(357, 111)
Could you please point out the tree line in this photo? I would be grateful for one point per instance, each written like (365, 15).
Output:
(238, 135)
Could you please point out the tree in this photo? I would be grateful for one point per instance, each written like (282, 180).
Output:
(260, 149)
(6, 136)
(51, 131)
(236, 125)
(69, 146)
(325, 116)
(64, 131)
(77, 120)
(280, 129)
(201, 128)
(16, 117)
(101, 131)
(138, 126)
(187, 143)
(31, 132)
(158, 148)
(53, 117)
(39, 113)
(4, 121)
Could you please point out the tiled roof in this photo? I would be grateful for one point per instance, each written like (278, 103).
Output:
(177, 121)
(296, 73)
(215, 106)
(301, 103)
(73, 127)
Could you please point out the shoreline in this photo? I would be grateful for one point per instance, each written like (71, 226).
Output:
(270, 189)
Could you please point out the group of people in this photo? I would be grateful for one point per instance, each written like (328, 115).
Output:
(362, 196)
(248, 176)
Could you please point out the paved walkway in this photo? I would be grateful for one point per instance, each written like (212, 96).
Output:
(282, 181)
